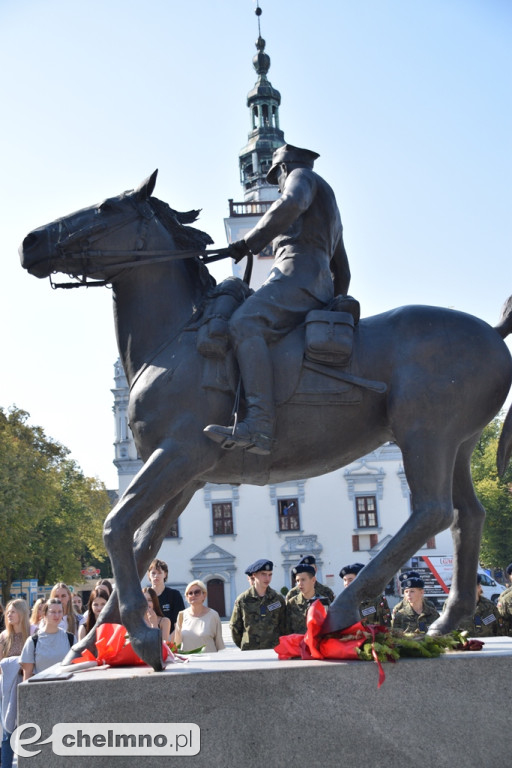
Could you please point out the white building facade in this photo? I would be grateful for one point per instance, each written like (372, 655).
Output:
(344, 517)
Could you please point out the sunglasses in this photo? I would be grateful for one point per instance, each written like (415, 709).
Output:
(194, 592)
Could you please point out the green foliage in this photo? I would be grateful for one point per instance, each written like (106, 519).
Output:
(496, 496)
(51, 515)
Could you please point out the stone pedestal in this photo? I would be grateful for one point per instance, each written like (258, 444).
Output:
(253, 710)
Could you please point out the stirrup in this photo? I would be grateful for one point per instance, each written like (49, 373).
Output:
(240, 437)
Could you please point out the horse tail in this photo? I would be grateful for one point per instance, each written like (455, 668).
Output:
(504, 327)
(505, 444)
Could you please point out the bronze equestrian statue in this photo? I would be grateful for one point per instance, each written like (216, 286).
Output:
(428, 378)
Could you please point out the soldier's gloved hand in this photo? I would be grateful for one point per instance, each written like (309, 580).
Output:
(238, 250)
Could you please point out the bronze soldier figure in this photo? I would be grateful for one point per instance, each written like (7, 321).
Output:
(310, 267)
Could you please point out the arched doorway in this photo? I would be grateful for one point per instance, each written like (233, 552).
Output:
(215, 589)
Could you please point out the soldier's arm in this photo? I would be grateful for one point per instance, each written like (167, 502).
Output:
(298, 194)
(340, 269)
(236, 624)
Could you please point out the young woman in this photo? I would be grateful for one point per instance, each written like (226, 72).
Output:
(49, 645)
(69, 620)
(198, 625)
(97, 601)
(154, 616)
(12, 640)
(17, 628)
(37, 614)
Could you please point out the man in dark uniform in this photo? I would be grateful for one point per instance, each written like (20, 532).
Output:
(374, 610)
(171, 601)
(259, 614)
(310, 267)
(320, 589)
(298, 605)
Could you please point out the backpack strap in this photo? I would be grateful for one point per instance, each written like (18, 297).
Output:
(71, 639)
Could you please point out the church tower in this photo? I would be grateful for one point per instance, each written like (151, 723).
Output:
(255, 160)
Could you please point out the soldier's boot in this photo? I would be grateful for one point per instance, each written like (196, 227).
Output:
(256, 432)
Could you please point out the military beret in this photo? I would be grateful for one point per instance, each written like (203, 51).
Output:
(259, 565)
(303, 568)
(509, 569)
(409, 575)
(413, 583)
(354, 568)
(308, 560)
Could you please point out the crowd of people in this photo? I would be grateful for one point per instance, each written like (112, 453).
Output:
(261, 615)
(33, 640)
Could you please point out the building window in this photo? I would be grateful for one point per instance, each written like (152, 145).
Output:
(288, 513)
(174, 531)
(222, 518)
(366, 510)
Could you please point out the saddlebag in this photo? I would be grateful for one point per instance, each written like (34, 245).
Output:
(329, 337)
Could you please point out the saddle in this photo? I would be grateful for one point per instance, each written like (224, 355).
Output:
(312, 364)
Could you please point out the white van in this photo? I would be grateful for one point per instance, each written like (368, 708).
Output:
(491, 589)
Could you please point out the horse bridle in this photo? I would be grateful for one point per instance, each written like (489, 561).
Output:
(88, 235)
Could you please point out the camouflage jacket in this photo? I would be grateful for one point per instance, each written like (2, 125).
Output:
(400, 605)
(485, 623)
(505, 611)
(375, 611)
(258, 622)
(296, 612)
(320, 589)
(408, 620)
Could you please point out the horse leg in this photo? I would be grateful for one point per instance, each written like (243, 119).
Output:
(166, 474)
(467, 533)
(429, 469)
(148, 540)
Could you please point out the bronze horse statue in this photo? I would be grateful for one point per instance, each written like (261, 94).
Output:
(447, 374)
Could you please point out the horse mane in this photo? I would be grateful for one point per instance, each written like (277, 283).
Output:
(186, 238)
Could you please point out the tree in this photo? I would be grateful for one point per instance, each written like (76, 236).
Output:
(51, 516)
(496, 496)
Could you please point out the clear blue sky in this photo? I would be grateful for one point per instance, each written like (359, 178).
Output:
(408, 103)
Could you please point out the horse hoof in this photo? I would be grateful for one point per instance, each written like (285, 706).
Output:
(440, 627)
(75, 653)
(336, 621)
(147, 644)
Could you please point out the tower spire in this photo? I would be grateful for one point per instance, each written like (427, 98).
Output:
(265, 135)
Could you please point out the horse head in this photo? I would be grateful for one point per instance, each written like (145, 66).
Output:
(101, 241)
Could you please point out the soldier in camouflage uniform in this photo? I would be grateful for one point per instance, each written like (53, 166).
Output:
(374, 610)
(400, 605)
(415, 614)
(297, 606)
(505, 606)
(259, 614)
(486, 620)
(321, 589)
